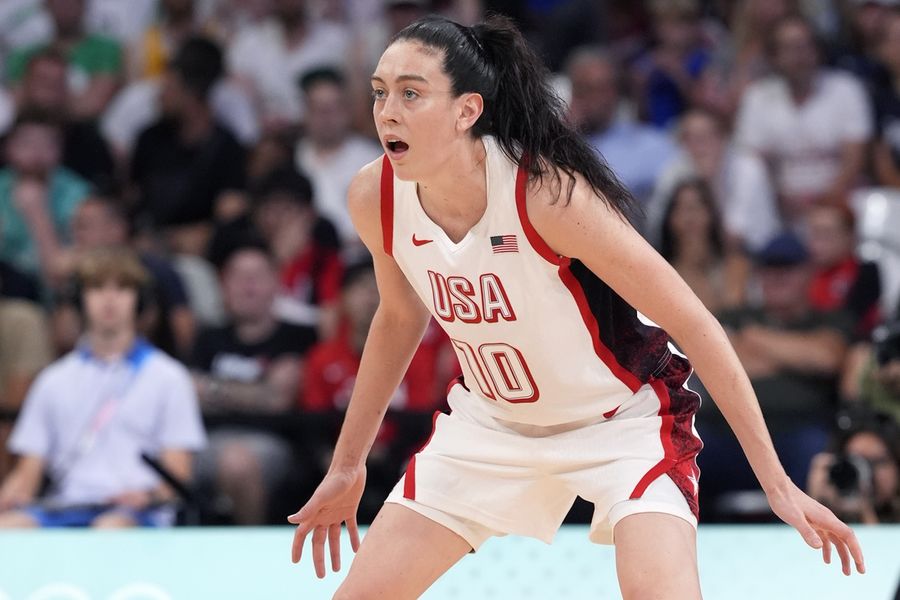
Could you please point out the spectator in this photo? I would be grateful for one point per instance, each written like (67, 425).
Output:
(741, 59)
(185, 164)
(635, 152)
(693, 242)
(886, 98)
(860, 479)
(249, 367)
(840, 280)
(810, 124)
(738, 179)
(330, 152)
(309, 267)
(149, 55)
(872, 374)
(37, 198)
(44, 88)
(131, 399)
(95, 61)
(666, 75)
(24, 347)
(864, 24)
(167, 320)
(332, 365)
(792, 353)
(23, 23)
(269, 57)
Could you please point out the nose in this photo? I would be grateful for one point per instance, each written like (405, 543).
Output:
(388, 109)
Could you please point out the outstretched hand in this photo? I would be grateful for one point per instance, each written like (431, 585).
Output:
(818, 526)
(333, 503)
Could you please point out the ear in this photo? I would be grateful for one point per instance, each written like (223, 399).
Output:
(471, 106)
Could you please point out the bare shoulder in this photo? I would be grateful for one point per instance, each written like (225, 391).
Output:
(562, 218)
(364, 202)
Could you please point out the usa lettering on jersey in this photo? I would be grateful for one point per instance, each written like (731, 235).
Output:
(455, 297)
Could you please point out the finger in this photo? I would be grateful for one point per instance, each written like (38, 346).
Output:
(843, 552)
(826, 549)
(318, 548)
(299, 539)
(334, 544)
(301, 515)
(353, 530)
(809, 534)
(849, 538)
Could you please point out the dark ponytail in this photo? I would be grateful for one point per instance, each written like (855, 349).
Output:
(521, 109)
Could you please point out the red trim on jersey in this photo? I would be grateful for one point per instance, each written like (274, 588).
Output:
(534, 238)
(665, 434)
(611, 413)
(387, 205)
(409, 482)
(605, 354)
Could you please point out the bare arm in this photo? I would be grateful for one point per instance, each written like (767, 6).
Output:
(275, 394)
(585, 229)
(93, 101)
(396, 330)
(885, 170)
(853, 158)
(819, 351)
(23, 483)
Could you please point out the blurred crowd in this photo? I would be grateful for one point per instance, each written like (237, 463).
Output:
(184, 300)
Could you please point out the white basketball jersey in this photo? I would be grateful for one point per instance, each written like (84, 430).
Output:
(541, 339)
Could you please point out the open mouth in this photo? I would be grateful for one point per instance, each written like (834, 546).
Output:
(395, 146)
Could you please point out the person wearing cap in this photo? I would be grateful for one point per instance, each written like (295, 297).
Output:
(793, 354)
(91, 416)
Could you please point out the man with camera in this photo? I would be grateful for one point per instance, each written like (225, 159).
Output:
(860, 480)
(91, 417)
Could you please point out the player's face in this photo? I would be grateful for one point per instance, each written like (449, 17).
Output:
(417, 116)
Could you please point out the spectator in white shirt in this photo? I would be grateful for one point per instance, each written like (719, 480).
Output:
(740, 184)
(809, 123)
(331, 153)
(268, 57)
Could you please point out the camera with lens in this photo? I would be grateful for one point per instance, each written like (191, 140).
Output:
(887, 343)
(851, 475)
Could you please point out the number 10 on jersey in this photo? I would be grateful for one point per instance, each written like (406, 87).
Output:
(500, 371)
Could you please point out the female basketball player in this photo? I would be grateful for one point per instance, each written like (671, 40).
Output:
(491, 215)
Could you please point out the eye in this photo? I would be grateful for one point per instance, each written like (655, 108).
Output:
(378, 94)
(410, 94)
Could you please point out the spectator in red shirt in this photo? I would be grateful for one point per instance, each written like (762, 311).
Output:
(332, 365)
(309, 267)
(841, 281)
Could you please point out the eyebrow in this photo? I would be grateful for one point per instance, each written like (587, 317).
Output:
(401, 78)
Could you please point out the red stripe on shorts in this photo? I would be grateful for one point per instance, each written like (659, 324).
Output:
(665, 434)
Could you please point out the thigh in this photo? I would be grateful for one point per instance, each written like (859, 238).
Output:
(402, 554)
(656, 557)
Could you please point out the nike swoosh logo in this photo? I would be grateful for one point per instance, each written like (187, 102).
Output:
(420, 242)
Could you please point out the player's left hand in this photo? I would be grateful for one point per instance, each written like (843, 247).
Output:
(818, 526)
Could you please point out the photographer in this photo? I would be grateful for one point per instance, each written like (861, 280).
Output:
(860, 480)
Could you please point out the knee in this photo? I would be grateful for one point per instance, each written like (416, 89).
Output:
(15, 519)
(113, 520)
(237, 464)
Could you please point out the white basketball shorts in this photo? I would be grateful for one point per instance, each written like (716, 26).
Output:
(481, 477)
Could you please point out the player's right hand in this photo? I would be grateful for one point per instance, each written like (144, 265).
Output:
(333, 503)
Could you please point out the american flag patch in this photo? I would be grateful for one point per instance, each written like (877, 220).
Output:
(504, 243)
